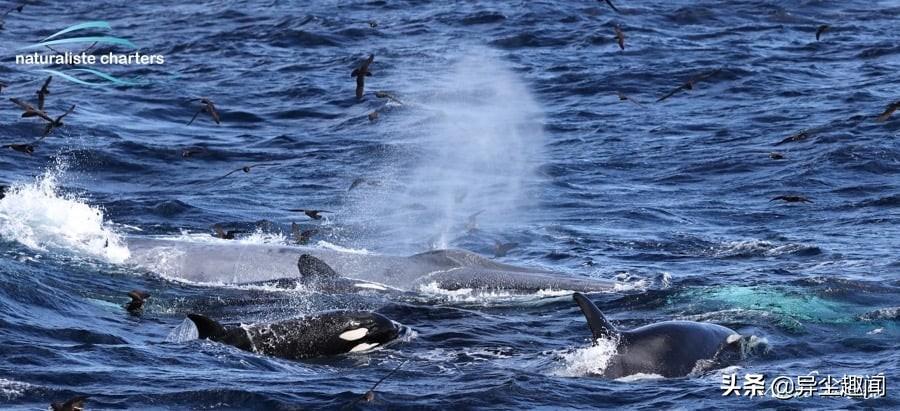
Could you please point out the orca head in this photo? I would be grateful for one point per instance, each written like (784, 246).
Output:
(365, 330)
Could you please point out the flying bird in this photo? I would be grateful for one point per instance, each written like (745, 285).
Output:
(73, 404)
(57, 122)
(472, 222)
(890, 109)
(792, 199)
(360, 73)
(208, 106)
(821, 30)
(137, 301)
(370, 395)
(609, 2)
(225, 234)
(688, 85)
(314, 214)
(247, 168)
(361, 180)
(43, 92)
(500, 249)
(22, 148)
(620, 37)
(302, 237)
(29, 110)
(191, 151)
(623, 97)
(382, 94)
(802, 135)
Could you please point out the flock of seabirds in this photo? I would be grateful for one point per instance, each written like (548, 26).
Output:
(671, 348)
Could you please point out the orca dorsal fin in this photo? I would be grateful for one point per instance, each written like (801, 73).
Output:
(312, 268)
(206, 327)
(600, 326)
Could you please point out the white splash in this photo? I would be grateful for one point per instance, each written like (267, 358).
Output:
(469, 140)
(589, 360)
(11, 389)
(640, 377)
(186, 331)
(39, 217)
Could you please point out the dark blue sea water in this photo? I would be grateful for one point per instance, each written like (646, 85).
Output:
(508, 107)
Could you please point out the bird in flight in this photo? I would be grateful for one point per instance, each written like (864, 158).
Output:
(792, 199)
(821, 30)
(360, 73)
(314, 214)
(247, 168)
(890, 109)
(802, 135)
(688, 85)
(208, 106)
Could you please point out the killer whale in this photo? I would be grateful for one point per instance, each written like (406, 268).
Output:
(324, 334)
(669, 348)
(230, 262)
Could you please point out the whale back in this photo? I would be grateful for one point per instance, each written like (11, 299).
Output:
(669, 349)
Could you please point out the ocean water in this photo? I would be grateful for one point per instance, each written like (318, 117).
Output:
(509, 109)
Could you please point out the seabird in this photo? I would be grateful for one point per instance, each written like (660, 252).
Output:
(22, 148)
(471, 222)
(223, 234)
(821, 30)
(314, 214)
(190, 151)
(382, 94)
(360, 73)
(360, 180)
(500, 249)
(620, 37)
(609, 2)
(43, 92)
(370, 395)
(29, 110)
(246, 169)
(73, 404)
(207, 106)
(623, 97)
(792, 199)
(302, 237)
(890, 109)
(802, 135)
(137, 301)
(56, 123)
(373, 116)
(776, 155)
(688, 85)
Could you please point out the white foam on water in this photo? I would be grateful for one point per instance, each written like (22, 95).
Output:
(640, 377)
(39, 217)
(186, 331)
(11, 389)
(591, 360)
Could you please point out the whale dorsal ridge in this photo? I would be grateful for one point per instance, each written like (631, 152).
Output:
(312, 268)
(600, 326)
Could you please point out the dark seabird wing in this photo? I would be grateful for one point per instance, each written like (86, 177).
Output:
(609, 2)
(195, 115)
(211, 108)
(890, 109)
(671, 93)
(360, 85)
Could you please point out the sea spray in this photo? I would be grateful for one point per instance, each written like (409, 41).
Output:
(471, 141)
(39, 217)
